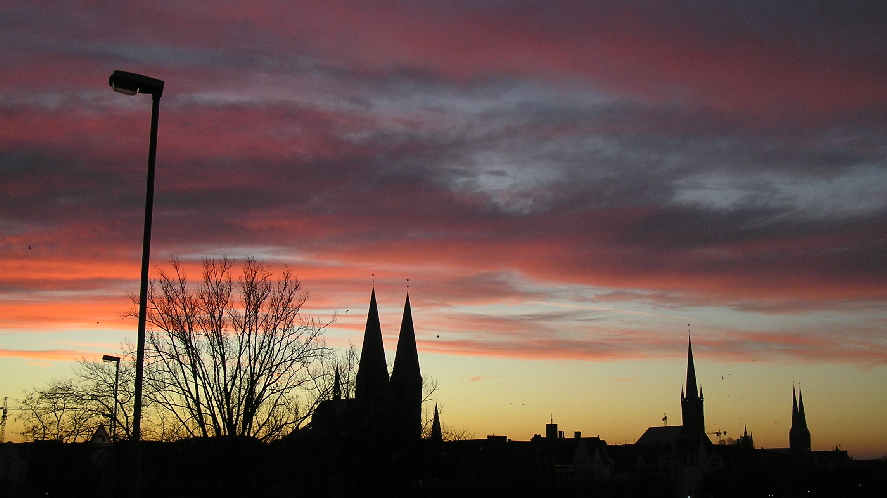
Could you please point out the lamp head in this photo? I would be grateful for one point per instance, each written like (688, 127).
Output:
(110, 358)
(132, 83)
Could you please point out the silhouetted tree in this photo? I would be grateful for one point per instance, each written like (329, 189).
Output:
(449, 432)
(346, 365)
(233, 358)
(51, 414)
(70, 409)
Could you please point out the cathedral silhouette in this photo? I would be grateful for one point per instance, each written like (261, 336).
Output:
(798, 435)
(385, 410)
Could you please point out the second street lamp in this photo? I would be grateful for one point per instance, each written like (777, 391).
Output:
(113, 424)
(132, 84)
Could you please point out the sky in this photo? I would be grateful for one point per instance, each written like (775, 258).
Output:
(566, 189)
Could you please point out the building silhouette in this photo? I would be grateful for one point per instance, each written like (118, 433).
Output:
(798, 435)
(436, 436)
(371, 382)
(405, 399)
(386, 412)
(691, 432)
(692, 412)
(680, 455)
(370, 445)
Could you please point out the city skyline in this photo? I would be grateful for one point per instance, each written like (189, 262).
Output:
(561, 187)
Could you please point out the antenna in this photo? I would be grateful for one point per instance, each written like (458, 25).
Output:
(3, 418)
(718, 434)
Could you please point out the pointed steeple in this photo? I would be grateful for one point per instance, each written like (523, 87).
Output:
(337, 386)
(692, 393)
(436, 431)
(799, 434)
(692, 413)
(372, 372)
(746, 441)
(406, 382)
(406, 360)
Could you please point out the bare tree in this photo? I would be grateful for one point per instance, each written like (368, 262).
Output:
(344, 365)
(231, 358)
(70, 409)
(52, 414)
(449, 432)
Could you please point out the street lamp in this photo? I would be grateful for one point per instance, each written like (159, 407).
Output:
(113, 424)
(131, 84)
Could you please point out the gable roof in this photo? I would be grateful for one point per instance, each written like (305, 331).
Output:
(669, 434)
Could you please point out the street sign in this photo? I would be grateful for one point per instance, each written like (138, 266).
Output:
(99, 457)
(100, 448)
(100, 437)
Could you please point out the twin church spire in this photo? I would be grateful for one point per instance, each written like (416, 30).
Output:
(799, 434)
(398, 397)
(385, 411)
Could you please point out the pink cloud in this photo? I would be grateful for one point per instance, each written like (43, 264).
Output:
(48, 355)
(478, 378)
(714, 54)
(330, 132)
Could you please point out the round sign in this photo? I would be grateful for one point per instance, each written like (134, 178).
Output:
(99, 457)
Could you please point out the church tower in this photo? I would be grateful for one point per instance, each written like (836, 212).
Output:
(337, 386)
(436, 431)
(798, 435)
(692, 414)
(371, 382)
(406, 382)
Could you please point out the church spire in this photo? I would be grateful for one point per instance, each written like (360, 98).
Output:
(372, 372)
(406, 360)
(692, 392)
(436, 431)
(799, 434)
(406, 381)
(692, 412)
(337, 386)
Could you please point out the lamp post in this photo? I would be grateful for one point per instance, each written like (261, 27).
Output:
(131, 84)
(113, 424)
